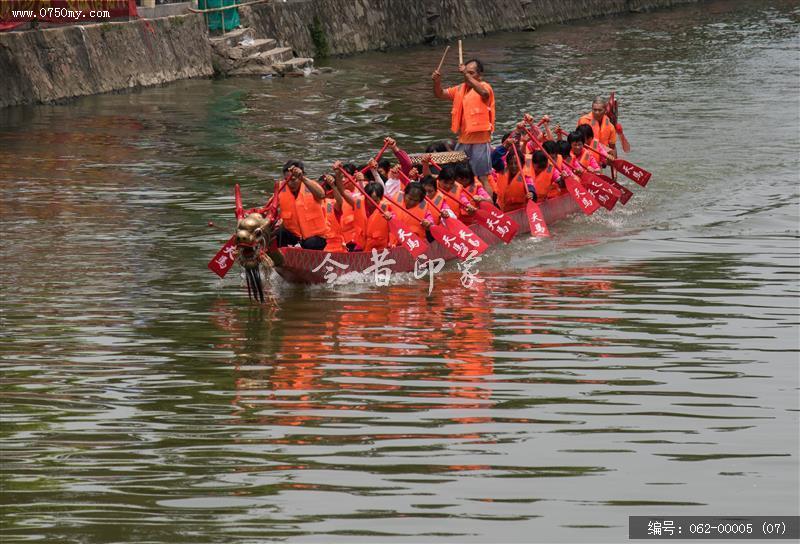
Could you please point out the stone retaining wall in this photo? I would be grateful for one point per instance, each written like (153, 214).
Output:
(335, 27)
(59, 63)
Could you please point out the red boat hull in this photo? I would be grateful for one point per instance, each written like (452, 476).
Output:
(300, 264)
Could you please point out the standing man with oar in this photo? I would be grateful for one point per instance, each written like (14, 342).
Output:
(472, 116)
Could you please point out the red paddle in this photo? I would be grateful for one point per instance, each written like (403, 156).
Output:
(605, 194)
(625, 193)
(532, 210)
(490, 217)
(377, 157)
(452, 230)
(579, 194)
(409, 240)
(628, 169)
(612, 111)
(226, 256)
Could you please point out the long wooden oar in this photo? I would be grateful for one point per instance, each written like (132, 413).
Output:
(441, 62)
(578, 192)
(628, 169)
(534, 213)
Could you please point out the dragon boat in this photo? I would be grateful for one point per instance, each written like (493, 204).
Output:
(254, 248)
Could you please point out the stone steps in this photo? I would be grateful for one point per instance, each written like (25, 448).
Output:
(294, 65)
(258, 46)
(239, 53)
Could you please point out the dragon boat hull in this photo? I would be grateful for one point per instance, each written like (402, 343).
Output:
(306, 266)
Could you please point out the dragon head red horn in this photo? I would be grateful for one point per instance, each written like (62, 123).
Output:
(238, 195)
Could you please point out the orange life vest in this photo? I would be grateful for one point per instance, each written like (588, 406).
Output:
(603, 130)
(438, 201)
(470, 113)
(454, 200)
(418, 211)
(493, 180)
(583, 160)
(544, 184)
(354, 222)
(302, 215)
(511, 192)
(334, 235)
(378, 228)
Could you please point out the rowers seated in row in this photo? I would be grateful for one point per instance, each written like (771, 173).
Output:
(457, 184)
(300, 209)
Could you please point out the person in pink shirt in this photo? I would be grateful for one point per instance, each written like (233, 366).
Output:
(581, 159)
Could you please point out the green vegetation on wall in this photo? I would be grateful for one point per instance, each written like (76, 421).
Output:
(318, 38)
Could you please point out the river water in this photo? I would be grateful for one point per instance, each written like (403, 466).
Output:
(643, 362)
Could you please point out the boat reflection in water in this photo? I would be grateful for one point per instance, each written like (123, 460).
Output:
(397, 357)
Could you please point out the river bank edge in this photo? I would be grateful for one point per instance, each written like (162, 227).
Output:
(59, 64)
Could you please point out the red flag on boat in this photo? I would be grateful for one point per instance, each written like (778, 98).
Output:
(536, 220)
(224, 259)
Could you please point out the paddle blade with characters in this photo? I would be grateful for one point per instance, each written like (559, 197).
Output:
(631, 171)
(458, 239)
(496, 222)
(536, 220)
(606, 194)
(407, 238)
(224, 259)
(625, 193)
(587, 203)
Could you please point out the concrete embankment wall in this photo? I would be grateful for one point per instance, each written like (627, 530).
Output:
(58, 63)
(335, 27)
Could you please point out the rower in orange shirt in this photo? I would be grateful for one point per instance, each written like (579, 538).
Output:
(512, 192)
(413, 200)
(472, 116)
(300, 208)
(378, 236)
(353, 218)
(580, 158)
(602, 126)
(546, 180)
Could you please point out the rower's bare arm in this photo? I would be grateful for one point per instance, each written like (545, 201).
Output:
(315, 188)
(337, 195)
(477, 86)
(436, 76)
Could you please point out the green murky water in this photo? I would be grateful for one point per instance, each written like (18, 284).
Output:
(640, 362)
